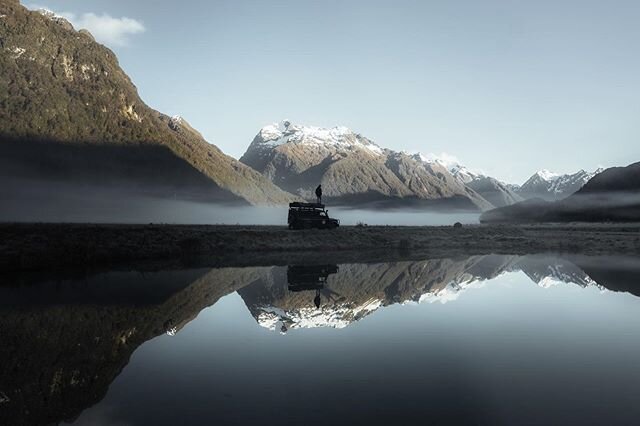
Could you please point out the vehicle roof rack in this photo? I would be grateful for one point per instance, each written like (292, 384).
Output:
(306, 205)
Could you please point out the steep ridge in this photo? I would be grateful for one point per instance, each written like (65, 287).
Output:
(72, 120)
(352, 169)
(491, 189)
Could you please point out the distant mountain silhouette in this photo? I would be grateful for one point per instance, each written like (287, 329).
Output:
(612, 195)
(553, 186)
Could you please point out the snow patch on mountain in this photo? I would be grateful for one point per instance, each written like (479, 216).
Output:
(336, 316)
(63, 18)
(452, 164)
(548, 282)
(547, 175)
(338, 137)
(549, 274)
(577, 179)
(549, 185)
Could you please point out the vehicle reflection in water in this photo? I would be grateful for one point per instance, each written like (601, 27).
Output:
(309, 277)
(506, 354)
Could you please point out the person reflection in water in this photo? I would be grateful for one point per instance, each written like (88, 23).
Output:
(316, 299)
(319, 194)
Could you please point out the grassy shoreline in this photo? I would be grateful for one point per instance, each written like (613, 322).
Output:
(37, 246)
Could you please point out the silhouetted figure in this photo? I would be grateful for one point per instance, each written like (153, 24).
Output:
(319, 194)
(316, 300)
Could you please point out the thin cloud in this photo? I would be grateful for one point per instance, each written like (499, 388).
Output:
(105, 28)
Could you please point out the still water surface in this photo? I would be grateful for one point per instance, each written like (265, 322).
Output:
(477, 340)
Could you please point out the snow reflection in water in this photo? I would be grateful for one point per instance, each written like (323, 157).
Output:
(481, 340)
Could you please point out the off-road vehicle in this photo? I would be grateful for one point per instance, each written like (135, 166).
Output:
(310, 215)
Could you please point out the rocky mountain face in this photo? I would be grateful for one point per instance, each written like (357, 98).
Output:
(612, 195)
(352, 169)
(494, 191)
(72, 121)
(552, 186)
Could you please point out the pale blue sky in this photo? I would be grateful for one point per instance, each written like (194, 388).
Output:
(508, 87)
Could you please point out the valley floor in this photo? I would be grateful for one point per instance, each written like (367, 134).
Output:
(60, 246)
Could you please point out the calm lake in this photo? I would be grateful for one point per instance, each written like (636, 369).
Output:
(472, 340)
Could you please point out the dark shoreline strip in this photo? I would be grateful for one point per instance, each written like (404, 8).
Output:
(26, 247)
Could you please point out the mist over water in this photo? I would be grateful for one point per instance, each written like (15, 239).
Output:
(405, 218)
(114, 207)
(207, 214)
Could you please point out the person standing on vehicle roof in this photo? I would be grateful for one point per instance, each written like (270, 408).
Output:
(319, 194)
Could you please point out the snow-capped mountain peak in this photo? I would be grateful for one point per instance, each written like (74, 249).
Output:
(276, 134)
(61, 19)
(547, 175)
(551, 186)
(451, 163)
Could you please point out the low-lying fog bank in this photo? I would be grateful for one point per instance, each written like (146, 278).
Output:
(99, 208)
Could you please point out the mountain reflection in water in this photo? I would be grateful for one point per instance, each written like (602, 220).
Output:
(67, 344)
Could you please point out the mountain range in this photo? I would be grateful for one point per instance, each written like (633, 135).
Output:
(354, 169)
(612, 195)
(542, 184)
(552, 186)
(74, 131)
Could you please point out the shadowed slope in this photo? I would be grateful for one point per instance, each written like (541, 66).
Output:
(64, 343)
(60, 87)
